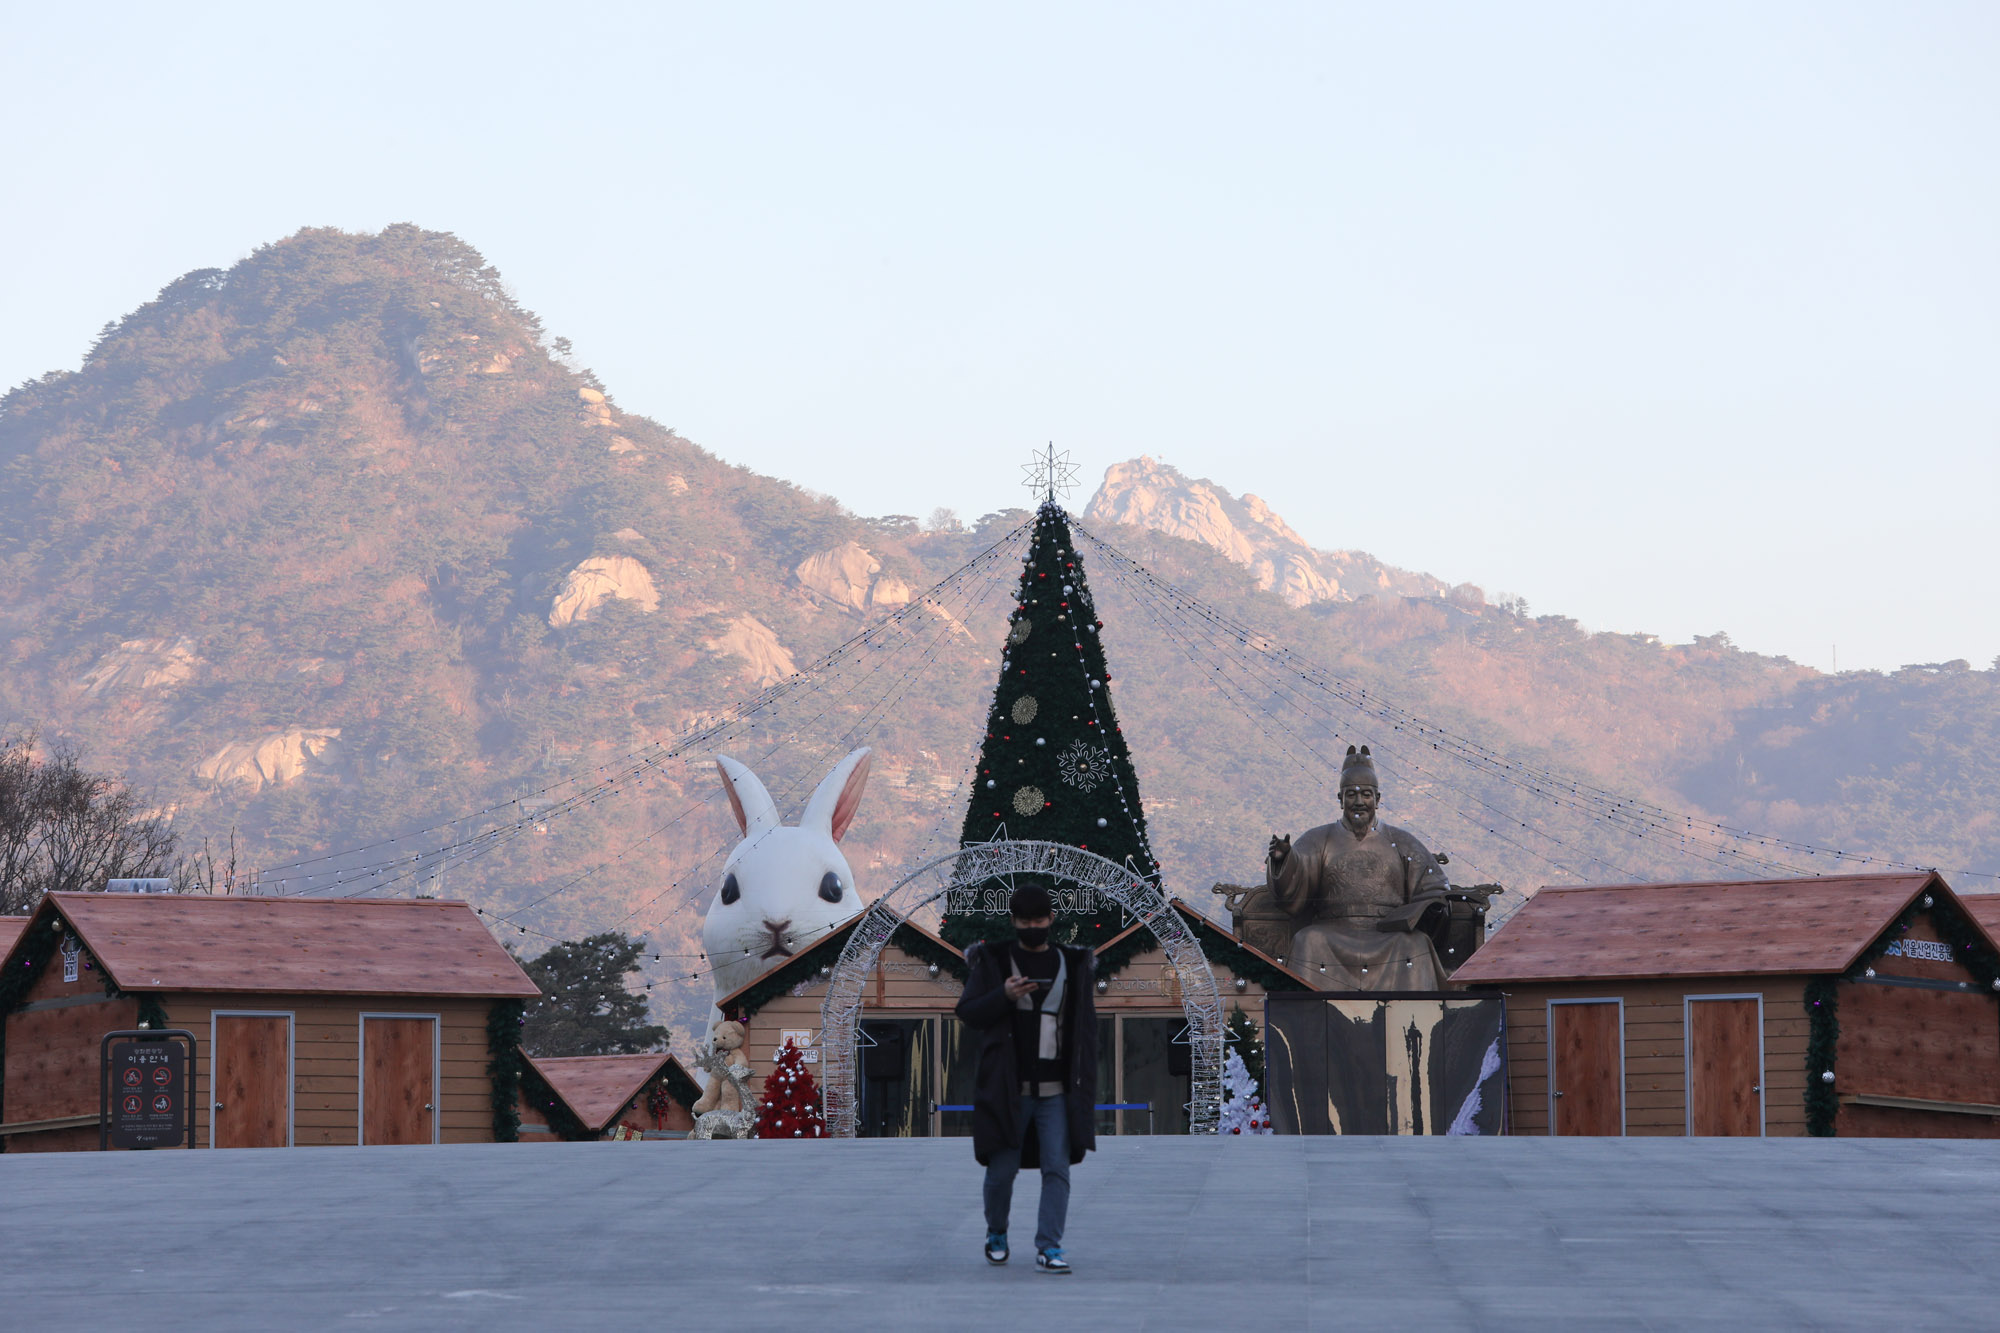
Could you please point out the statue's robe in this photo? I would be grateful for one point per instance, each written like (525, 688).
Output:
(1357, 902)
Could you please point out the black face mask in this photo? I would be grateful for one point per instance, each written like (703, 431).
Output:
(1032, 937)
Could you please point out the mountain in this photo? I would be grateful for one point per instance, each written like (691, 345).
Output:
(335, 547)
(1146, 493)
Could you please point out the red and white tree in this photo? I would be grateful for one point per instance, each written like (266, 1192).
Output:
(790, 1107)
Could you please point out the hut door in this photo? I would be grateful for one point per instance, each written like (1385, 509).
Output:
(1586, 1067)
(398, 1078)
(251, 1105)
(1725, 1064)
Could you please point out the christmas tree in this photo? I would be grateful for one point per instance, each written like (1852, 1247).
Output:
(1243, 1110)
(790, 1106)
(1240, 1034)
(1054, 766)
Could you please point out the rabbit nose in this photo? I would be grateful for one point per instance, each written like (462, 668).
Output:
(778, 947)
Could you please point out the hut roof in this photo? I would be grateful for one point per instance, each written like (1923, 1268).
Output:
(10, 931)
(597, 1087)
(1984, 909)
(309, 946)
(1766, 927)
(908, 936)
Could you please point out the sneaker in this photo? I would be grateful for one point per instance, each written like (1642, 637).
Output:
(996, 1248)
(1051, 1261)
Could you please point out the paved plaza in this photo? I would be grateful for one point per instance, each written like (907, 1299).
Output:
(1168, 1233)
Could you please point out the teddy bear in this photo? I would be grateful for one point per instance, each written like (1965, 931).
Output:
(724, 1109)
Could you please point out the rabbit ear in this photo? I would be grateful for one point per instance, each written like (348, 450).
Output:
(838, 796)
(753, 807)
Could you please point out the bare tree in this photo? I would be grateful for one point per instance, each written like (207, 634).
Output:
(63, 829)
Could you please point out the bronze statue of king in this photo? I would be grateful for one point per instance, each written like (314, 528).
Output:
(1361, 895)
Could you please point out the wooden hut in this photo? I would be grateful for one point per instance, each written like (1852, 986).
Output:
(606, 1096)
(917, 1062)
(1860, 1005)
(318, 1021)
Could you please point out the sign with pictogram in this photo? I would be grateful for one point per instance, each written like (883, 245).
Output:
(152, 1106)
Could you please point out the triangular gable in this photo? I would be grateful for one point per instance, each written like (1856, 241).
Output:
(596, 1088)
(802, 966)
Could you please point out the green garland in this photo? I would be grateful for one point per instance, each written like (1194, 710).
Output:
(781, 981)
(1822, 1041)
(806, 965)
(1222, 947)
(561, 1119)
(925, 950)
(153, 1013)
(505, 1066)
(680, 1086)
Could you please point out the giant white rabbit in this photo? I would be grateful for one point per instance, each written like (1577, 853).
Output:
(784, 887)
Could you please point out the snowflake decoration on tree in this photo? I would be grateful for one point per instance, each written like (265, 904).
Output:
(1083, 765)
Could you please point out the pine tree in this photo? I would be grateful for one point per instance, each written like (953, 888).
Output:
(790, 1107)
(1054, 766)
(1243, 1109)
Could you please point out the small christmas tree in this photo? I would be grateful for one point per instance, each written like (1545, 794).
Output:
(790, 1106)
(1240, 1034)
(1243, 1111)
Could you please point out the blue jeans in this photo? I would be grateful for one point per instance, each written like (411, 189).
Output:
(1050, 1117)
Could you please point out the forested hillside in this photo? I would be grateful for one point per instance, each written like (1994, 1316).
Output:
(336, 545)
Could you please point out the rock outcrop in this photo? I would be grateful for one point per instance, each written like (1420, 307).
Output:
(596, 581)
(141, 664)
(1149, 494)
(273, 759)
(765, 660)
(841, 574)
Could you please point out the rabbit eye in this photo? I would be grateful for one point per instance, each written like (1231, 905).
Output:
(730, 891)
(830, 888)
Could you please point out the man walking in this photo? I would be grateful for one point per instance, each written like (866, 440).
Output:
(1034, 1098)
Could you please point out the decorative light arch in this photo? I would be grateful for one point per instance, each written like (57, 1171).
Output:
(840, 1014)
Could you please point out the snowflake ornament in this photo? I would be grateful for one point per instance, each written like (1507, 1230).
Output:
(1083, 766)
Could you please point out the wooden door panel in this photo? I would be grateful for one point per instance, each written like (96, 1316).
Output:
(1725, 1068)
(398, 1065)
(252, 1101)
(1586, 1074)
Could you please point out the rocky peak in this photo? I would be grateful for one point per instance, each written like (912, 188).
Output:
(1147, 493)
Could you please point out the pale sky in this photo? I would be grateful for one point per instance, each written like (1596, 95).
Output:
(1672, 318)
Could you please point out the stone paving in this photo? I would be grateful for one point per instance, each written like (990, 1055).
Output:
(1167, 1233)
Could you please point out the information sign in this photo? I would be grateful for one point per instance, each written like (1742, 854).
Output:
(146, 1098)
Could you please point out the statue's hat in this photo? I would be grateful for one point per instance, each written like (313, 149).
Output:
(1358, 769)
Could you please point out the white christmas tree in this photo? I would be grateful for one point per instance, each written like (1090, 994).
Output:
(1243, 1111)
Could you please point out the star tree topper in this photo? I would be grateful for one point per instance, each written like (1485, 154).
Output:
(1050, 475)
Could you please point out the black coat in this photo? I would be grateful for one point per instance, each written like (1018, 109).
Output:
(996, 1091)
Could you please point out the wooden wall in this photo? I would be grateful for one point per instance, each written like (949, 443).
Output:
(1920, 1044)
(54, 1045)
(326, 1037)
(1656, 1050)
(53, 1059)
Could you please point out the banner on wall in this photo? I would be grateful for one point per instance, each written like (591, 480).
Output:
(1385, 1063)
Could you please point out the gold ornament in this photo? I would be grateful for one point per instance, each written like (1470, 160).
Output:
(1028, 801)
(1025, 709)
